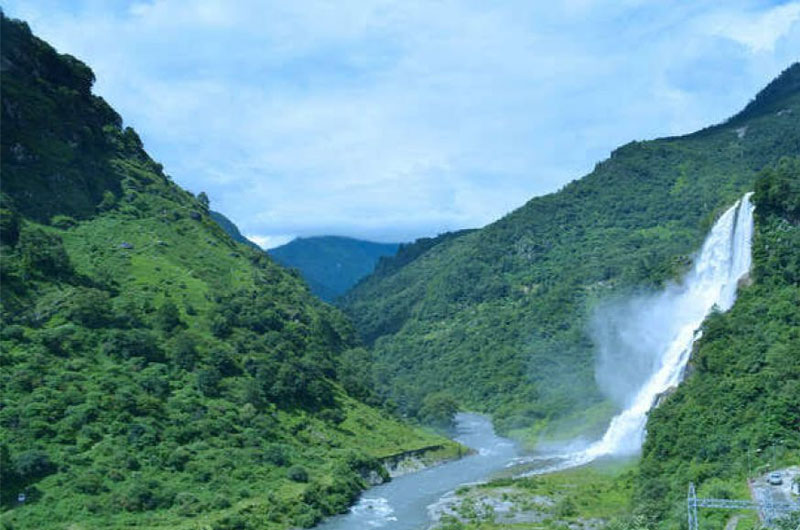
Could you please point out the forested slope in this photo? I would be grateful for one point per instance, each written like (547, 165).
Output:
(154, 372)
(331, 264)
(739, 410)
(231, 229)
(498, 317)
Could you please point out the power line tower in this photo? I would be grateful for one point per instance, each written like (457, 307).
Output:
(767, 510)
(692, 508)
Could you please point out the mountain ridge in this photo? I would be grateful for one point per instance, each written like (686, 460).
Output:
(155, 372)
(499, 316)
(332, 264)
(231, 229)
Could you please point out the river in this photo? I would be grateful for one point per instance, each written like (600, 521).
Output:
(402, 504)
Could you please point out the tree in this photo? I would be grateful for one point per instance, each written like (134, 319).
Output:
(355, 373)
(9, 226)
(43, 253)
(439, 409)
(168, 317)
(203, 199)
(183, 351)
(90, 307)
(33, 465)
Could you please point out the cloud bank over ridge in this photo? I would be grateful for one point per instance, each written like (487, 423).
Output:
(393, 120)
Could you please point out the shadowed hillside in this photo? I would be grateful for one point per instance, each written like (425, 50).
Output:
(331, 265)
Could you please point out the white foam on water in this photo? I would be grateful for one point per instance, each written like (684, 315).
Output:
(375, 512)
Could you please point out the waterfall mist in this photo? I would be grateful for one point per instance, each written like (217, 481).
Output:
(628, 335)
(644, 343)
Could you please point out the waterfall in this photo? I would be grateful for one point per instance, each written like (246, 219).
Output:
(711, 284)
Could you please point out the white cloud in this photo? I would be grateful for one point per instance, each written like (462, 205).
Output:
(757, 31)
(397, 119)
(268, 242)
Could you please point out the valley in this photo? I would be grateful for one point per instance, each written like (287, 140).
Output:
(575, 364)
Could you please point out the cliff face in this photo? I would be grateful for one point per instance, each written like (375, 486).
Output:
(58, 138)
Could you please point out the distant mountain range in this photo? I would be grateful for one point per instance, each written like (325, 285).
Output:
(331, 264)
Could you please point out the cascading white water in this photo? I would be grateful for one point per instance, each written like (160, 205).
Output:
(723, 261)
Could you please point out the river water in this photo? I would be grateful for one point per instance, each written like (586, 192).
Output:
(402, 504)
(724, 259)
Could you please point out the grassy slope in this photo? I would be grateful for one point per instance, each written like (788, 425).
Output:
(739, 411)
(330, 264)
(155, 373)
(498, 316)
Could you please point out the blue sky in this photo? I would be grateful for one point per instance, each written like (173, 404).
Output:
(391, 120)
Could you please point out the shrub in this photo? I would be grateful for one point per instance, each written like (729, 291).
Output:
(187, 504)
(13, 332)
(277, 454)
(207, 381)
(167, 316)
(183, 351)
(178, 459)
(144, 496)
(225, 362)
(231, 522)
(9, 226)
(90, 307)
(58, 340)
(90, 483)
(43, 253)
(297, 474)
(33, 465)
(63, 221)
(108, 201)
(220, 326)
(220, 502)
(133, 343)
(438, 409)
(565, 508)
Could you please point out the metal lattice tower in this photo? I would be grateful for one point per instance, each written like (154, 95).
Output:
(767, 510)
(691, 508)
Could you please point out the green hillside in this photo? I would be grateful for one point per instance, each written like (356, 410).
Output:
(498, 317)
(231, 229)
(156, 374)
(738, 413)
(331, 264)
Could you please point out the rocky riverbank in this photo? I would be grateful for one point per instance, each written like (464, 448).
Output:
(419, 459)
(587, 498)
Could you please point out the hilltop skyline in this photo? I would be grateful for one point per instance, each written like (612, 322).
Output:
(390, 121)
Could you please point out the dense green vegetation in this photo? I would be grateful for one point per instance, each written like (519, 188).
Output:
(498, 317)
(154, 372)
(331, 264)
(739, 411)
(736, 416)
